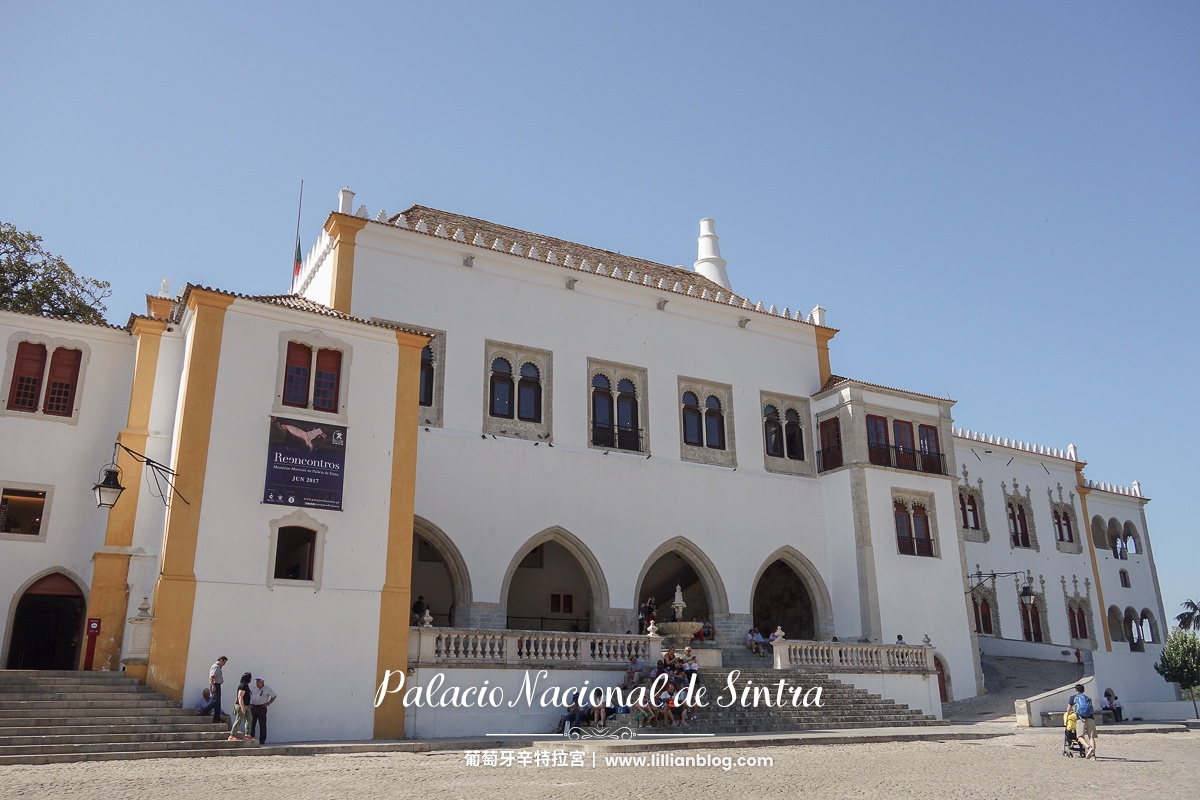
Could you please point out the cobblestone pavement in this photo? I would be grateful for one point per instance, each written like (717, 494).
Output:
(1027, 764)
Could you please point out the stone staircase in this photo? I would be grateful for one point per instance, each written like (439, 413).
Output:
(49, 716)
(842, 705)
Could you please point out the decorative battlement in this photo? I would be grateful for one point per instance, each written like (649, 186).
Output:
(1129, 491)
(1070, 454)
(602, 263)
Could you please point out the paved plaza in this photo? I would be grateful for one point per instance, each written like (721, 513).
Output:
(1018, 764)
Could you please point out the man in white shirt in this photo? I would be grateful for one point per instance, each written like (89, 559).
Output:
(635, 671)
(261, 696)
(215, 678)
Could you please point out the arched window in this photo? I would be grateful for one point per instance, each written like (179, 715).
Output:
(714, 424)
(1031, 622)
(924, 545)
(501, 389)
(529, 394)
(1018, 527)
(1066, 522)
(1131, 545)
(904, 537)
(962, 507)
(1149, 629)
(1058, 527)
(602, 412)
(773, 432)
(972, 513)
(983, 615)
(628, 430)
(692, 420)
(426, 376)
(1124, 574)
(1073, 623)
(793, 435)
(1081, 623)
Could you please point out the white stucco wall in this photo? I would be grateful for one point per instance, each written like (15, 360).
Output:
(62, 456)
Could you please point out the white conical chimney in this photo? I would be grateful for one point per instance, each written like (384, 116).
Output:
(708, 256)
(346, 201)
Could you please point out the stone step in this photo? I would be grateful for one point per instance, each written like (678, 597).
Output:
(60, 737)
(134, 726)
(120, 694)
(108, 703)
(179, 717)
(234, 749)
(91, 749)
(9, 689)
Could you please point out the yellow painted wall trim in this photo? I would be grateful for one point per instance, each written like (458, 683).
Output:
(343, 228)
(394, 599)
(823, 337)
(1086, 524)
(175, 591)
(109, 600)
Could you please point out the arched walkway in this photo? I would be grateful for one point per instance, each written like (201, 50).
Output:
(1099, 537)
(439, 573)
(554, 583)
(47, 623)
(788, 592)
(679, 561)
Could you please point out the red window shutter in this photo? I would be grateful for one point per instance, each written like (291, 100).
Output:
(62, 381)
(295, 381)
(329, 376)
(28, 368)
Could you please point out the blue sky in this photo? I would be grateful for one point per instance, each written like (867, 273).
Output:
(995, 202)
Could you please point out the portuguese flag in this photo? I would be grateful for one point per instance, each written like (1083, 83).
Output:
(296, 269)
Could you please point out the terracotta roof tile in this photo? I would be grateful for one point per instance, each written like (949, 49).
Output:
(837, 380)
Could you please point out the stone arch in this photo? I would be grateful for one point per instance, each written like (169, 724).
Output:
(1099, 537)
(455, 564)
(15, 601)
(1149, 627)
(817, 590)
(1116, 539)
(710, 578)
(1116, 624)
(1132, 626)
(1133, 542)
(583, 555)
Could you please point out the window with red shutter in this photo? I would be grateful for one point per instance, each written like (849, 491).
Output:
(61, 382)
(28, 368)
(329, 374)
(295, 382)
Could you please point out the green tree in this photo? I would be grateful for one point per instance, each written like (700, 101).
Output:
(1180, 662)
(34, 281)
(1190, 618)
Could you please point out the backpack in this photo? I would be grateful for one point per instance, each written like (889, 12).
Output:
(1083, 706)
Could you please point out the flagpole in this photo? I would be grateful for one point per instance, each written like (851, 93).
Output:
(300, 207)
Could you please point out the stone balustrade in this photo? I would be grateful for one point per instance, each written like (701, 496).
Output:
(480, 647)
(851, 657)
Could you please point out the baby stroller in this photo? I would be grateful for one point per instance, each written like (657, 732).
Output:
(1071, 743)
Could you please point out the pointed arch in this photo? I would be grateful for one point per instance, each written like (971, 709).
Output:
(817, 590)
(582, 554)
(1116, 539)
(1133, 542)
(945, 685)
(15, 600)
(710, 578)
(456, 565)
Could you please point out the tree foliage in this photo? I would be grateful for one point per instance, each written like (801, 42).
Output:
(34, 281)
(1190, 618)
(1180, 661)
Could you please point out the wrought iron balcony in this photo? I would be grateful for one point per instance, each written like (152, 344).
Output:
(883, 455)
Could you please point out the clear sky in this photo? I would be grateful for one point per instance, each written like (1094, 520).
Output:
(999, 202)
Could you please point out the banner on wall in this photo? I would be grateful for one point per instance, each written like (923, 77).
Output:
(305, 464)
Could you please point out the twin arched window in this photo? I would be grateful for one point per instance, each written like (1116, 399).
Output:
(703, 428)
(1018, 526)
(527, 403)
(615, 415)
(783, 438)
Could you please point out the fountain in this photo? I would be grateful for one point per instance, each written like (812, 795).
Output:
(679, 632)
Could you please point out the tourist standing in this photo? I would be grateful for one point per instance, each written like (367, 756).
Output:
(241, 710)
(215, 678)
(261, 696)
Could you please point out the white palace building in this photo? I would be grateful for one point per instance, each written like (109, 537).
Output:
(535, 436)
